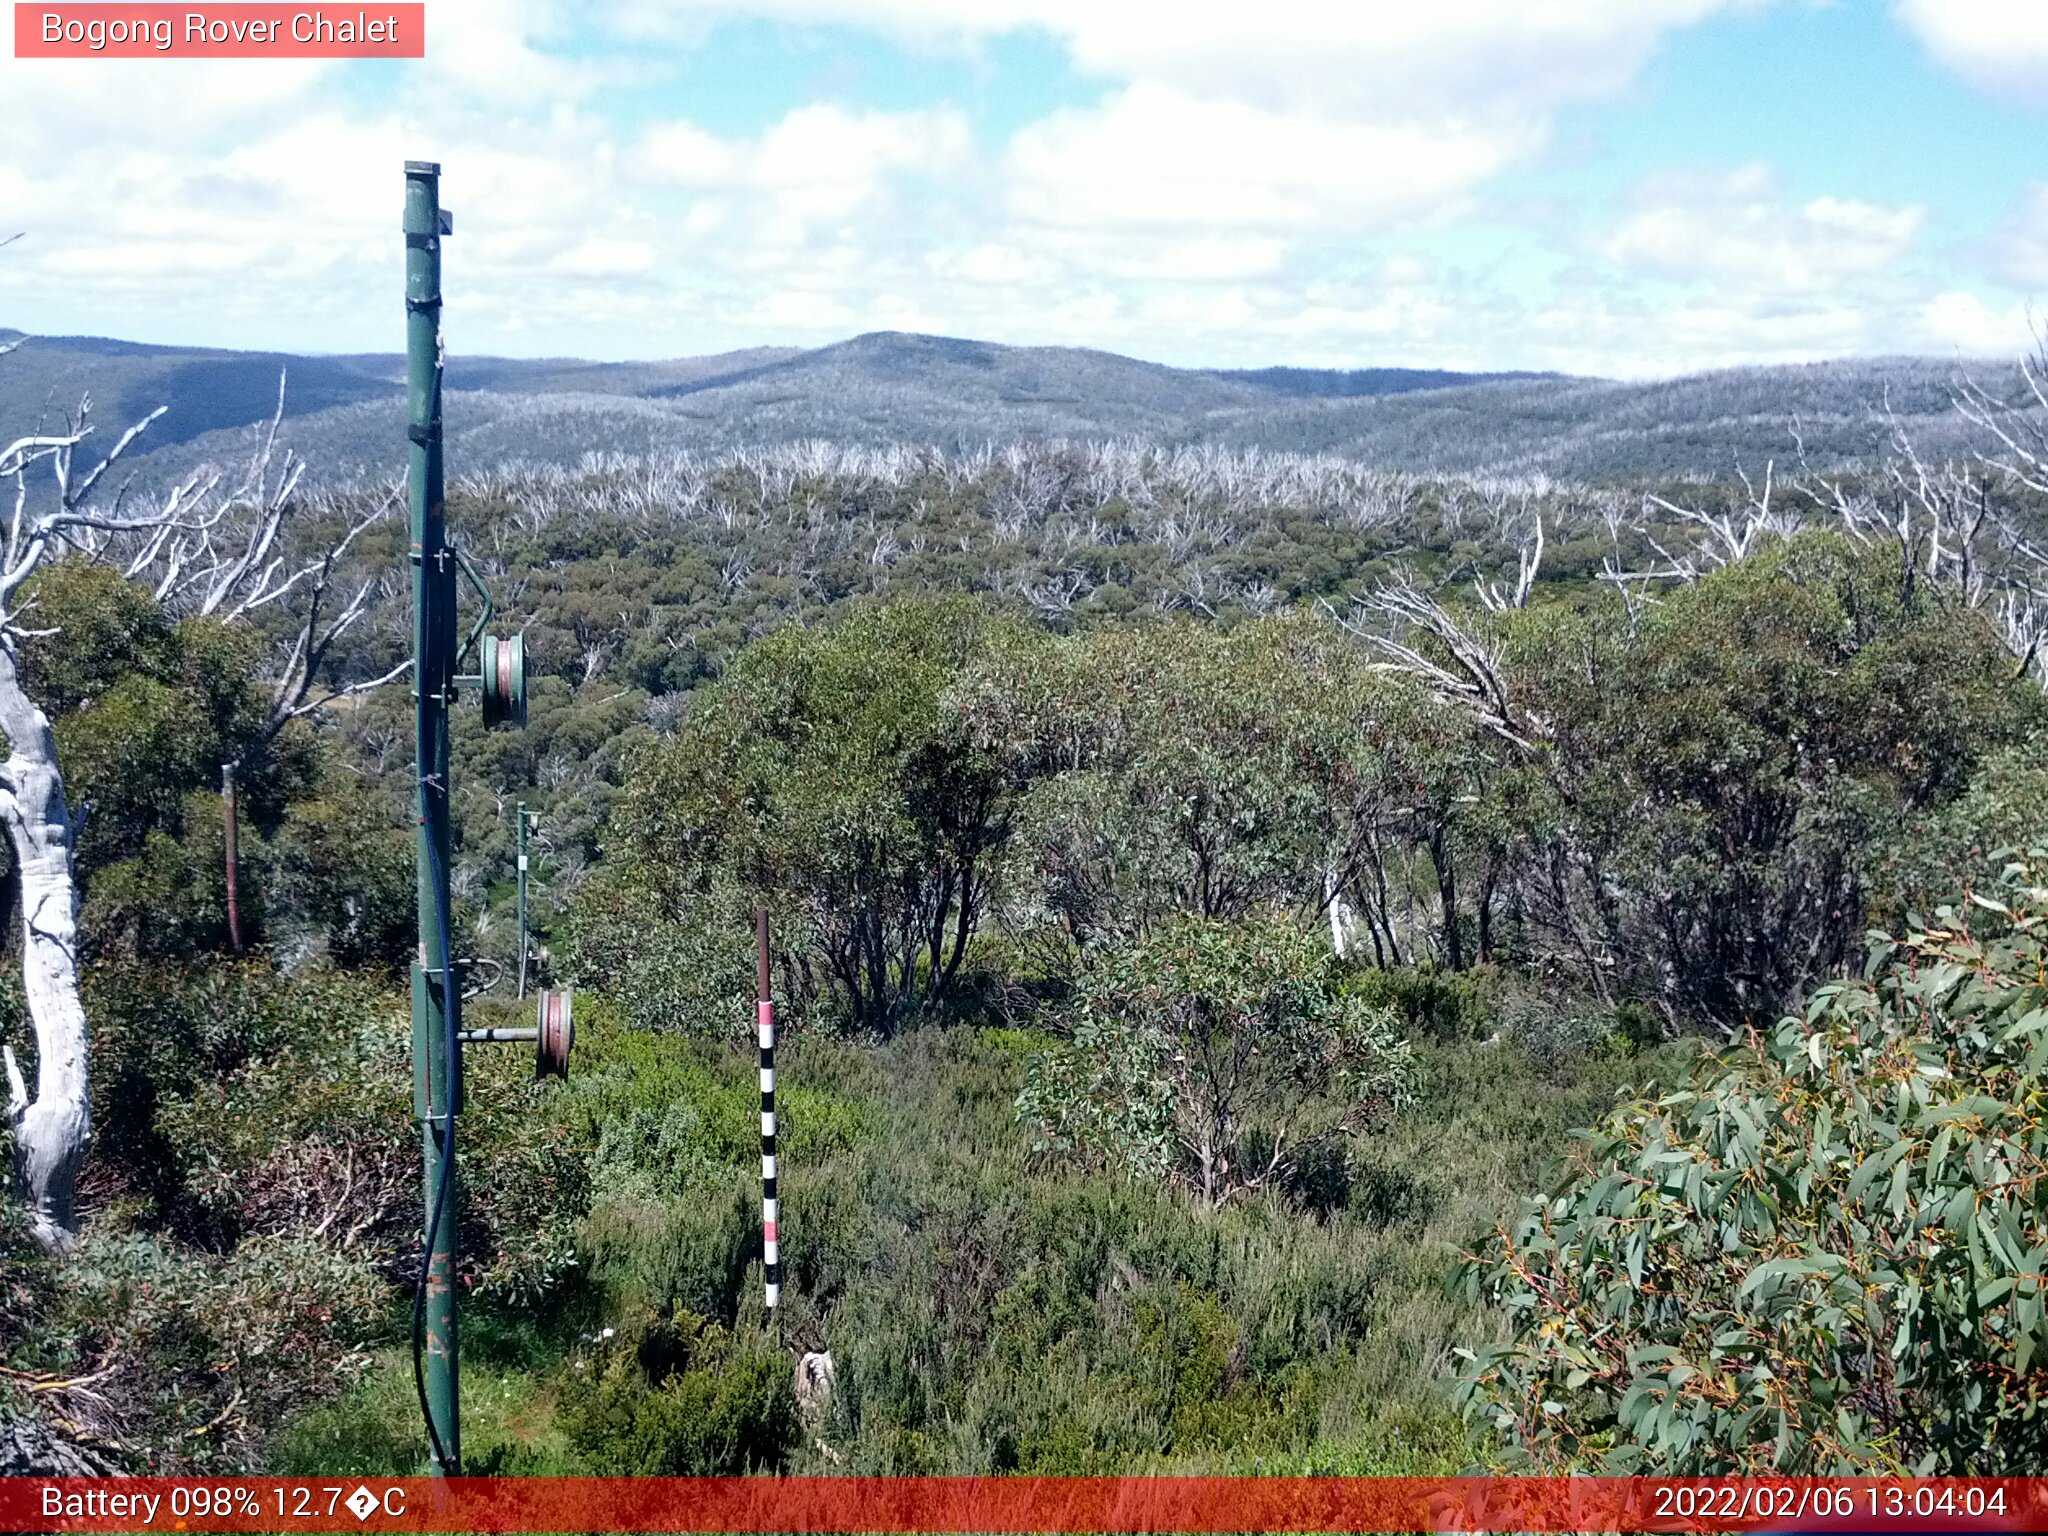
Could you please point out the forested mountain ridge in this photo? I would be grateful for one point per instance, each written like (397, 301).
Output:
(200, 389)
(215, 387)
(343, 412)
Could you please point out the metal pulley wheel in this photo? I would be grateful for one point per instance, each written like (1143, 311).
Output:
(557, 1033)
(504, 680)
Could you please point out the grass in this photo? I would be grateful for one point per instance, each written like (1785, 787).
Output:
(988, 1312)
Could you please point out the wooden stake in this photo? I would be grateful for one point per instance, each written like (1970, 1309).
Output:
(228, 820)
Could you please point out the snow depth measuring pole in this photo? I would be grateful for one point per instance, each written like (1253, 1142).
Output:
(437, 1032)
(771, 1236)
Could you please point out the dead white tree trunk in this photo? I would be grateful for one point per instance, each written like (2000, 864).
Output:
(50, 1130)
(1339, 910)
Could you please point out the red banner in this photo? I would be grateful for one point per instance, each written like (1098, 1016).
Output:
(1022, 1504)
(236, 31)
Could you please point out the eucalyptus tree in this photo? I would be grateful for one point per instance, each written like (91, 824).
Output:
(1822, 1258)
(821, 777)
(1217, 1054)
(1171, 769)
(1701, 777)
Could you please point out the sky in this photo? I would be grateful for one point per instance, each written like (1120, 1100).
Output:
(1631, 188)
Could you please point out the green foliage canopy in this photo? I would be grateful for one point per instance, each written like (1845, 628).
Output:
(1174, 768)
(1826, 1257)
(821, 778)
(1218, 1053)
(147, 710)
(679, 1396)
(1718, 765)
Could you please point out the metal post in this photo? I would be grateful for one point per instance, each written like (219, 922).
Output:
(523, 944)
(437, 1056)
(227, 816)
(771, 1246)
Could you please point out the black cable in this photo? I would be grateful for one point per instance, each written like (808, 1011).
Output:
(419, 1297)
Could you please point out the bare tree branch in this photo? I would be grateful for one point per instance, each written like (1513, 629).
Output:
(1471, 678)
(1529, 560)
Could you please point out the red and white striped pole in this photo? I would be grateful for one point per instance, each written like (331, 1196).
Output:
(771, 1267)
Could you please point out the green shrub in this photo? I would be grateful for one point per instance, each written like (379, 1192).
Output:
(1435, 1005)
(163, 1034)
(1721, 765)
(1555, 1031)
(1827, 1256)
(674, 1215)
(1173, 767)
(1217, 1053)
(313, 1136)
(192, 1360)
(338, 879)
(822, 777)
(2005, 806)
(693, 977)
(677, 1396)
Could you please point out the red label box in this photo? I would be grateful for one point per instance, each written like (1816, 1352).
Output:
(235, 31)
(1771, 1506)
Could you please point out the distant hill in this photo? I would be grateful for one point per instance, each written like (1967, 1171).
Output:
(204, 389)
(345, 412)
(207, 389)
(1349, 383)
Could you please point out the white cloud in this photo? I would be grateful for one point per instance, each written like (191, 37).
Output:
(54, 109)
(1416, 318)
(1200, 259)
(1631, 336)
(604, 257)
(318, 172)
(1452, 57)
(495, 50)
(821, 150)
(2020, 249)
(991, 263)
(2001, 45)
(1341, 57)
(793, 309)
(1963, 322)
(1736, 228)
(1250, 144)
(1155, 157)
(1290, 115)
(813, 170)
